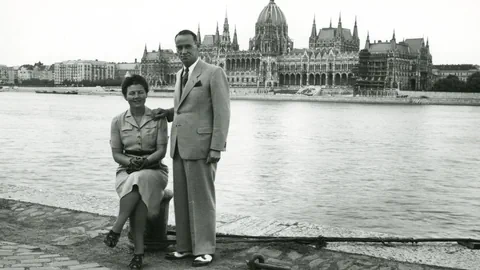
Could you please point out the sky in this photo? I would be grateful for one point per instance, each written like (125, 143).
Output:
(52, 31)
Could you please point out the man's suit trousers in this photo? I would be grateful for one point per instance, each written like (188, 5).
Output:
(194, 201)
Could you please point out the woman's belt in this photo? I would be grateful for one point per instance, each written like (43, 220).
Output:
(138, 152)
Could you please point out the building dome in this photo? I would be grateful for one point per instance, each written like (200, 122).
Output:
(272, 13)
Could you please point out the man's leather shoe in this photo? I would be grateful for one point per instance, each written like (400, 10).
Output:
(202, 260)
(178, 255)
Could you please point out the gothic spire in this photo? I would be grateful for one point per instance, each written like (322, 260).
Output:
(330, 22)
(393, 42)
(235, 40)
(367, 42)
(313, 35)
(226, 29)
(199, 37)
(314, 28)
(340, 21)
(339, 27)
(226, 16)
(355, 30)
(217, 36)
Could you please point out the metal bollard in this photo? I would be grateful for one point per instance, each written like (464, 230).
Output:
(254, 265)
(156, 228)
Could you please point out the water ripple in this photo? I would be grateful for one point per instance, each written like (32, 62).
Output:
(395, 169)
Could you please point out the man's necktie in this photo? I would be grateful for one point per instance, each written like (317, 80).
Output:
(184, 80)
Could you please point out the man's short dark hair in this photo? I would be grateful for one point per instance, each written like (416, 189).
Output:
(187, 32)
(132, 80)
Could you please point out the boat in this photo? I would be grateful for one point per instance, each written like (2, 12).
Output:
(69, 92)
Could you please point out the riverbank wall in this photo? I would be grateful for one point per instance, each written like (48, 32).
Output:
(412, 97)
(440, 95)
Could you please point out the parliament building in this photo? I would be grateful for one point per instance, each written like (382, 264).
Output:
(332, 59)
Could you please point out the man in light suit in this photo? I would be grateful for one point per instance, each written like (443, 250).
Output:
(201, 117)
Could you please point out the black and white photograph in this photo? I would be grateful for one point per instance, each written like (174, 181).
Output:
(226, 134)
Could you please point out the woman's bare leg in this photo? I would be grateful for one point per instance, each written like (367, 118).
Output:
(140, 221)
(128, 203)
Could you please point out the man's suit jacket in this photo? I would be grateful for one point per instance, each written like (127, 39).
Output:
(201, 116)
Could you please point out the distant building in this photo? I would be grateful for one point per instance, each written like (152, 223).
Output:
(42, 72)
(461, 71)
(159, 67)
(83, 70)
(124, 69)
(25, 73)
(219, 42)
(332, 57)
(271, 60)
(4, 74)
(406, 65)
(13, 75)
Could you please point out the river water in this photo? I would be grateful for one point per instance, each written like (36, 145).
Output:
(402, 169)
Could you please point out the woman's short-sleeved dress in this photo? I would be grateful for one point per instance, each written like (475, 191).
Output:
(142, 140)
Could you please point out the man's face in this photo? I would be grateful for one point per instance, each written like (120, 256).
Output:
(187, 49)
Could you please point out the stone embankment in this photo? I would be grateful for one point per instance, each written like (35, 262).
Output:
(38, 237)
(73, 224)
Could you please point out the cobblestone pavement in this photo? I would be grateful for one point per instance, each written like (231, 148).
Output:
(14, 256)
(40, 237)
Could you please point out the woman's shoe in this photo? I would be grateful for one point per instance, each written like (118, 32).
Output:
(136, 262)
(111, 239)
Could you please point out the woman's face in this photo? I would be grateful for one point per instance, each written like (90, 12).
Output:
(136, 96)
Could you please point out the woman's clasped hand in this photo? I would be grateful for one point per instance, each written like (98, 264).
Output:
(137, 164)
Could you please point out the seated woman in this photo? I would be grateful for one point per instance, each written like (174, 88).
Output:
(139, 144)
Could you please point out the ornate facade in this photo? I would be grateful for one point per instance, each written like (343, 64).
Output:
(406, 65)
(332, 58)
(272, 61)
(159, 67)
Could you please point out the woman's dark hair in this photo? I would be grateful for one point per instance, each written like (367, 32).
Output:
(132, 80)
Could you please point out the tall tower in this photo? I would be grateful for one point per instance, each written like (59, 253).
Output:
(217, 37)
(145, 52)
(199, 37)
(226, 30)
(339, 33)
(393, 41)
(235, 46)
(339, 42)
(226, 44)
(355, 33)
(313, 35)
(367, 42)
